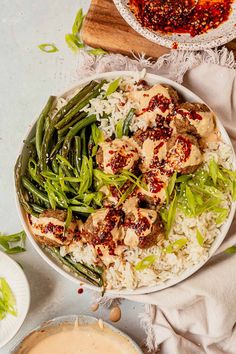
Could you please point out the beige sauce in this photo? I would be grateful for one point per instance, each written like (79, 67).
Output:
(125, 148)
(115, 314)
(206, 125)
(142, 99)
(38, 224)
(82, 339)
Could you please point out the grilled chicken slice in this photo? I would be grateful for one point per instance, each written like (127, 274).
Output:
(49, 228)
(143, 228)
(117, 155)
(160, 100)
(194, 118)
(183, 153)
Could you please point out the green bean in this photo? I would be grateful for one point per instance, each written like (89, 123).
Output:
(32, 169)
(55, 166)
(40, 124)
(67, 118)
(79, 268)
(57, 147)
(37, 208)
(59, 115)
(83, 142)
(19, 192)
(32, 189)
(127, 122)
(33, 140)
(83, 268)
(68, 126)
(31, 149)
(80, 125)
(77, 153)
(47, 123)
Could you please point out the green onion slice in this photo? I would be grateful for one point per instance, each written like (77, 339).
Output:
(97, 51)
(146, 262)
(48, 47)
(113, 87)
(78, 22)
(231, 250)
(176, 246)
(73, 42)
(200, 238)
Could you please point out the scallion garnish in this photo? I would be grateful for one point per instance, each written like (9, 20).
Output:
(48, 47)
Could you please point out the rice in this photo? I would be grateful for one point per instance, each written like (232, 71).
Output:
(122, 273)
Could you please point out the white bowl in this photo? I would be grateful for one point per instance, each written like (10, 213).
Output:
(81, 319)
(188, 96)
(18, 283)
(213, 38)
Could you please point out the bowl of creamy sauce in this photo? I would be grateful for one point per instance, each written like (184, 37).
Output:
(76, 334)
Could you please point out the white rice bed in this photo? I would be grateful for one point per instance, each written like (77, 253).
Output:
(122, 273)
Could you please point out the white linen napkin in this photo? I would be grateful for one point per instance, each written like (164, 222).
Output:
(197, 315)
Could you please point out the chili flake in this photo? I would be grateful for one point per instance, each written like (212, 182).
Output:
(183, 16)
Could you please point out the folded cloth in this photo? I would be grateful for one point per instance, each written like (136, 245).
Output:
(197, 315)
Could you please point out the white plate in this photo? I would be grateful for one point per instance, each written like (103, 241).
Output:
(18, 283)
(188, 96)
(82, 319)
(213, 38)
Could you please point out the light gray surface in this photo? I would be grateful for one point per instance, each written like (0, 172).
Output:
(28, 76)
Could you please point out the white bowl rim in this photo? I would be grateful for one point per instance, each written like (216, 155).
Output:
(87, 319)
(167, 42)
(168, 283)
(27, 298)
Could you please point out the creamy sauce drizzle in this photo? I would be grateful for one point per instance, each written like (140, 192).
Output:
(83, 339)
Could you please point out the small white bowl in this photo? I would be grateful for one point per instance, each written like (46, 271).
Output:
(81, 319)
(213, 38)
(19, 285)
(188, 96)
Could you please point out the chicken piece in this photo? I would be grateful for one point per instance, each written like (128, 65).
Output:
(103, 230)
(117, 155)
(153, 147)
(143, 228)
(183, 154)
(49, 228)
(194, 118)
(154, 134)
(156, 181)
(160, 100)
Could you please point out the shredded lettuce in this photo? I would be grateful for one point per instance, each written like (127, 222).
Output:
(7, 300)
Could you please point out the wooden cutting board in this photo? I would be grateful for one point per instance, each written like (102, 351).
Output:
(105, 28)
